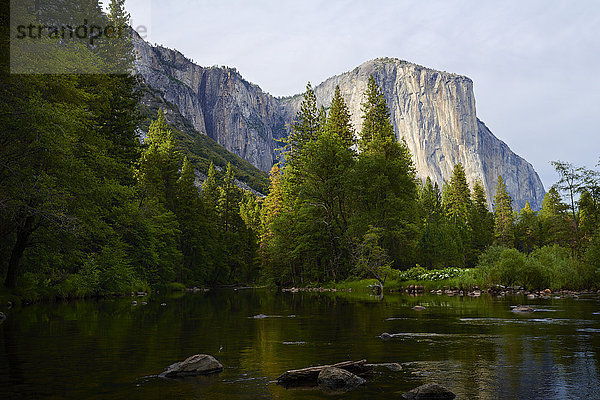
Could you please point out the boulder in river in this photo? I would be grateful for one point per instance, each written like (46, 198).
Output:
(310, 376)
(199, 364)
(338, 380)
(391, 366)
(429, 391)
(523, 309)
(418, 308)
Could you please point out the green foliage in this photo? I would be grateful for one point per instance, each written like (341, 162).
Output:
(503, 215)
(421, 274)
(371, 258)
(547, 267)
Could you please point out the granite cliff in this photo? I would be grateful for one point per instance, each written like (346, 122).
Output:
(433, 111)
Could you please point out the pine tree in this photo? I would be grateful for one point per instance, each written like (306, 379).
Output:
(338, 119)
(384, 183)
(159, 165)
(377, 133)
(503, 216)
(527, 230)
(435, 249)
(457, 199)
(210, 189)
(481, 223)
(555, 227)
(308, 122)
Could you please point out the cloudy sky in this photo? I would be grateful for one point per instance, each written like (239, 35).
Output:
(535, 64)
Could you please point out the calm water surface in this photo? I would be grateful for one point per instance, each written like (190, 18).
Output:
(477, 347)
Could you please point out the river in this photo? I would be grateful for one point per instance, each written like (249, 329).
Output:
(476, 347)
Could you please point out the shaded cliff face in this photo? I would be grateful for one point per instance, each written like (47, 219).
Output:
(217, 101)
(433, 111)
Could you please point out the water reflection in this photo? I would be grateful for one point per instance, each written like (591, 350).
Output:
(476, 347)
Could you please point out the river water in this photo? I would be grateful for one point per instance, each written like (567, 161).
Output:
(476, 347)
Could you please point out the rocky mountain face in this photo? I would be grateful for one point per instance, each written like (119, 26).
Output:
(433, 111)
(217, 101)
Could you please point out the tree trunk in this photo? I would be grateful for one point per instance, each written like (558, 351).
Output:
(23, 233)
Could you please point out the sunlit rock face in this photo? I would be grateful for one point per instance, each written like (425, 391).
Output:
(433, 111)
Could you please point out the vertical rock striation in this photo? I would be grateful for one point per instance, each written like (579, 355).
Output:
(433, 111)
(217, 101)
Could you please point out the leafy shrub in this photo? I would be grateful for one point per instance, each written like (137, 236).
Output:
(547, 267)
(421, 274)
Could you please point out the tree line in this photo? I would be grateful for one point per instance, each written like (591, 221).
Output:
(340, 207)
(86, 207)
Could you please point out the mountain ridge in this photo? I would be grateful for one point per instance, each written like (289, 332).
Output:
(434, 111)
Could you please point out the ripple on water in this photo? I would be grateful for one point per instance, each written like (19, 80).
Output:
(504, 321)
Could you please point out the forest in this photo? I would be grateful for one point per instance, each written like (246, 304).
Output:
(89, 208)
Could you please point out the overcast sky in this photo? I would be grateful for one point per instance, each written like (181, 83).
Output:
(535, 64)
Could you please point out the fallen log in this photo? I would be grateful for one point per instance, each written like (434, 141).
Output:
(309, 376)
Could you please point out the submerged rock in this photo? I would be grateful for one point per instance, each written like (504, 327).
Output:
(418, 308)
(337, 379)
(523, 309)
(429, 391)
(199, 364)
(391, 366)
(385, 336)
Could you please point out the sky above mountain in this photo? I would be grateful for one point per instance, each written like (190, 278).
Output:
(534, 64)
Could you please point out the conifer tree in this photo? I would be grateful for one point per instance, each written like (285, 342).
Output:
(457, 199)
(210, 189)
(503, 215)
(384, 181)
(481, 223)
(527, 230)
(338, 119)
(554, 220)
(158, 170)
(308, 122)
(377, 133)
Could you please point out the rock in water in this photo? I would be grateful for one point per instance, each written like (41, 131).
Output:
(429, 391)
(2, 317)
(337, 379)
(418, 308)
(199, 364)
(391, 366)
(523, 309)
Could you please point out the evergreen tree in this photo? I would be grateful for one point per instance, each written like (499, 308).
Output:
(457, 205)
(555, 227)
(527, 230)
(197, 235)
(457, 199)
(377, 133)
(338, 119)
(384, 181)
(210, 189)
(436, 247)
(503, 216)
(481, 223)
(308, 122)
(159, 165)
